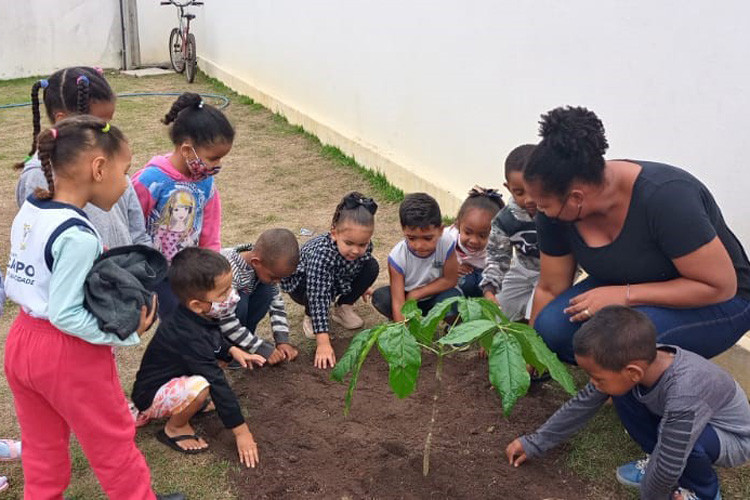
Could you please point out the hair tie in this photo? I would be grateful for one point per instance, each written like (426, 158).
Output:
(99, 70)
(105, 128)
(352, 202)
(26, 160)
(82, 78)
(200, 104)
(44, 83)
(490, 193)
(54, 133)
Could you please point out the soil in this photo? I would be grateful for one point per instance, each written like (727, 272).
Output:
(309, 448)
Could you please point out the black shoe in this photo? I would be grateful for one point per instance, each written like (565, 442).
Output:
(171, 496)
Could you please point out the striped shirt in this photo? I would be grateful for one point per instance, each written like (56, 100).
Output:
(691, 393)
(245, 281)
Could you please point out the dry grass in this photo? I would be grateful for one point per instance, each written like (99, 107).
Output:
(275, 176)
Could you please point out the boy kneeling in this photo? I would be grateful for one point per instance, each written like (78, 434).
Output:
(683, 410)
(180, 367)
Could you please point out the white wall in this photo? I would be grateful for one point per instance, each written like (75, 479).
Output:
(446, 89)
(38, 37)
(155, 22)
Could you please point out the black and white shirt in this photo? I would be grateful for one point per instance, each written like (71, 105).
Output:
(245, 281)
(325, 274)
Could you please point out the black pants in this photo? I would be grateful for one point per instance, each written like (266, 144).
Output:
(381, 300)
(362, 281)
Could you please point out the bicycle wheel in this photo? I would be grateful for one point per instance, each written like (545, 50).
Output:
(191, 61)
(175, 51)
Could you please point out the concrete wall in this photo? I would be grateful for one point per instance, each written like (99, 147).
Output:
(37, 37)
(155, 22)
(443, 90)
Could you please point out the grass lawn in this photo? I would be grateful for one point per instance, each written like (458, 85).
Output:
(275, 175)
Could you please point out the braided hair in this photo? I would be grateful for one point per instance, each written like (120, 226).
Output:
(70, 91)
(357, 208)
(60, 146)
(481, 198)
(197, 121)
(572, 148)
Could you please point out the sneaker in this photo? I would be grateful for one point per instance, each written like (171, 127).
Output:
(345, 316)
(690, 494)
(632, 473)
(307, 327)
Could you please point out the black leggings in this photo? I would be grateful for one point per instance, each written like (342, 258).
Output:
(362, 281)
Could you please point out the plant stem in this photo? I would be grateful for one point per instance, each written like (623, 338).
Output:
(431, 426)
(425, 346)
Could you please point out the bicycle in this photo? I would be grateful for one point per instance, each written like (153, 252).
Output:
(182, 52)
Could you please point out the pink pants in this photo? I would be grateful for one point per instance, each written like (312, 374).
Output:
(62, 383)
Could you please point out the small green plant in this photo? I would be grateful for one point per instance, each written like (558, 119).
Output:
(510, 348)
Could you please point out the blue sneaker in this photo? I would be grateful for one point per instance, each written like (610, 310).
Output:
(632, 473)
(690, 494)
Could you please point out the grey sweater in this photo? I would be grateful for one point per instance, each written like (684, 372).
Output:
(122, 225)
(692, 393)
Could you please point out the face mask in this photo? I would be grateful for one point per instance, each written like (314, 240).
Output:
(221, 309)
(198, 168)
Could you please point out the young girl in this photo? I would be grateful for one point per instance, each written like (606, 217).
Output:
(71, 91)
(177, 194)
(59, 365)
(472, 231)
(337, 266)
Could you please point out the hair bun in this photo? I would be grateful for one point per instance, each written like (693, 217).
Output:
(573, 131)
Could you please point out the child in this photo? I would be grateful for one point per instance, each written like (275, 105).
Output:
(422, 266)
(256, 272)
(510, 282)
(71, 91)
(682, 409)
(338, 267)
(59, 365)
(177, 193)
(180, 367)
(470, 233)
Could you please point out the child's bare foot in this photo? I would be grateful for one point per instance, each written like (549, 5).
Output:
(184, 438)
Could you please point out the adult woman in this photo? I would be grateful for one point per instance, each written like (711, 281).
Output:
(649, 235)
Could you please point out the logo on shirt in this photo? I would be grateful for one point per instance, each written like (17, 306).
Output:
(26, 231)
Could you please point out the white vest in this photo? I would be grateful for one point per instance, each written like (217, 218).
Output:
(35, 228)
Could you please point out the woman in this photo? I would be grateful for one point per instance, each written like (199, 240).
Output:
(649, 235)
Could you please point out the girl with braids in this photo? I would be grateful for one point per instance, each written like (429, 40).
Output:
(649, 235)
(471, 233)
(71, 91)
(58, 363)
(337, 267)
(178, 197)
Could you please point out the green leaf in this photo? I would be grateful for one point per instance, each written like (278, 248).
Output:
(492, 311)
(400, 350)
(353, 359)
(435, 316)
(467, 332)
(486, 342)
(410, 310)
(508, 373)
(413, 318)
(470, 309)
(541, 356)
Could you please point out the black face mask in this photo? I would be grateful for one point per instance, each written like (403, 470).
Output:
(556, 219)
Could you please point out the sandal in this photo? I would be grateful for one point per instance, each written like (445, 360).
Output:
(13, 450)
(172, 442)
(3, 483)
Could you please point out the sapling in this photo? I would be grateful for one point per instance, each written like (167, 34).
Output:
(510, 347)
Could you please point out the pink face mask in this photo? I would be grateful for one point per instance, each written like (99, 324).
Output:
(225, 308)
(198, 168)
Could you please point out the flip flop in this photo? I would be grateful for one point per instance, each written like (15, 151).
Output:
(172, 442)
(14, 450)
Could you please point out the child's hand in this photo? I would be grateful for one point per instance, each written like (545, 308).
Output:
(515, 453)
(324, 355)
(367, 296)
(290, 352)
(489, 295)
(247, 449)
(245, 359)
(147, 318)
(277, 356)
(465, 269)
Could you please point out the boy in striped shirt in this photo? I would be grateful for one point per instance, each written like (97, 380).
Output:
(256, 272)
(683, 410)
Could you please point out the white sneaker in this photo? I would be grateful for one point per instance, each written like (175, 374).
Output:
(307, 327)
(345, 316)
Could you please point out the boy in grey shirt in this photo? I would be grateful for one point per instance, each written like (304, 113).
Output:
(683, 410)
